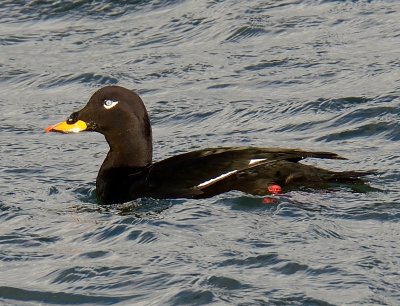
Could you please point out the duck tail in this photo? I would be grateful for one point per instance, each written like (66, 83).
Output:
(323, 155)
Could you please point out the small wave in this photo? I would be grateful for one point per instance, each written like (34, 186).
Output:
(192, 297)
(223, 282)
(44, 10)
(17, 39)
(252, 261)
(289, 268)
(245, 32)
(55, 297)
(85, 78)
(26, 240)
(267, 64)
(388, 130)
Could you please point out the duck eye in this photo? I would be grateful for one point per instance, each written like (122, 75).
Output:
(109, 104)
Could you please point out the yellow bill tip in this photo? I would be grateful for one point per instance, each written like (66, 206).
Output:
(64, 127)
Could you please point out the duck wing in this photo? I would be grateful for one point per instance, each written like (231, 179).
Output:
(257, 178)
(192, 174)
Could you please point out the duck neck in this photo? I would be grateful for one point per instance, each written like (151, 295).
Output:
(128, 150)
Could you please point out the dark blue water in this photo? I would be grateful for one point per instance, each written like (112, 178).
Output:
(317, 75)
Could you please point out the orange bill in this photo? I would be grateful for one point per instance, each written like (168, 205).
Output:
(64, 127)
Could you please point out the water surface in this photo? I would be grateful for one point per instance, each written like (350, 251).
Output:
(317, 75)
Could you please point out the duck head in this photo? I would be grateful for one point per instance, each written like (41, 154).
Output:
(120, 115)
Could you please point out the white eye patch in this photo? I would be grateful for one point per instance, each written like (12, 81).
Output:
(109, 104)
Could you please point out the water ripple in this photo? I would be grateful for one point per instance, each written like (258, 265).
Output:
(18, 294)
